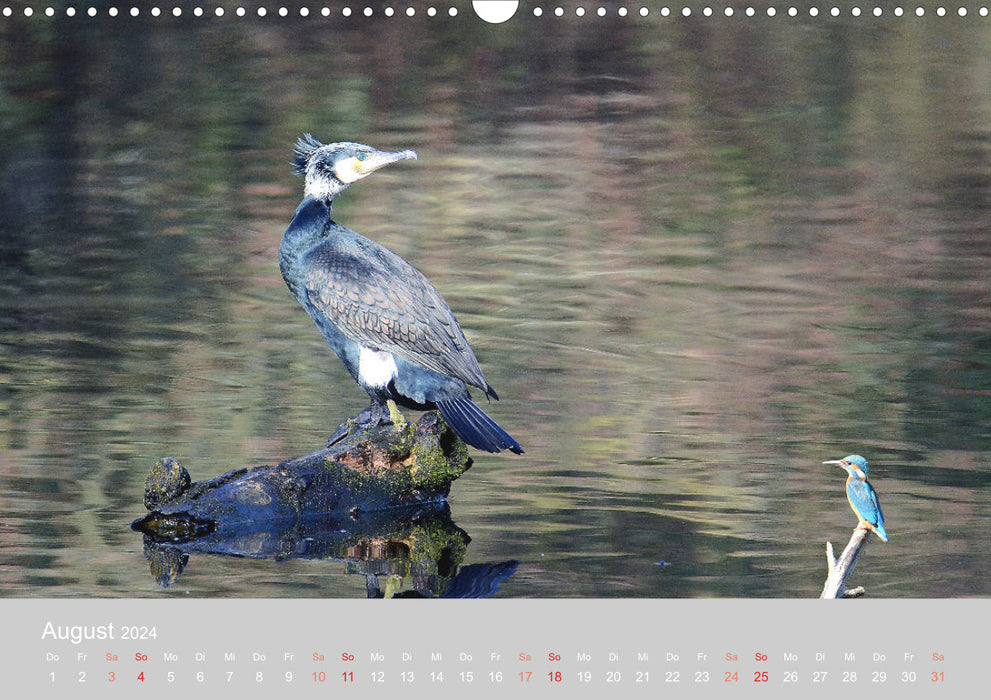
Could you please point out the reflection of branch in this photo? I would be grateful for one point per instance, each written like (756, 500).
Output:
(840, 569)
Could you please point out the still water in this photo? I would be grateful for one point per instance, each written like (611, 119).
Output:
(695, 259)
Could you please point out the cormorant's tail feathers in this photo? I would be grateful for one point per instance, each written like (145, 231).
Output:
(474, 427)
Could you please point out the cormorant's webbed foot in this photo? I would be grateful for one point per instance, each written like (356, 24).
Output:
(395, 417)
(376, 415)
(384, 414)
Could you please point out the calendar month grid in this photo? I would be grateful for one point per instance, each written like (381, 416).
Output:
(494, 649)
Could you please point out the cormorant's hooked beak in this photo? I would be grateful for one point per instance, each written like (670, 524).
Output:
(379, 159)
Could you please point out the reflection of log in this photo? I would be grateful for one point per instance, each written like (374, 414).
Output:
(840, 569)
(420, 542)
(371, 468)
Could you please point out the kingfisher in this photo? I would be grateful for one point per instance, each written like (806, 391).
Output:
(383, 318)
(861, 494)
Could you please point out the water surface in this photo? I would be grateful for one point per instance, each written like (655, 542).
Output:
(695, 259)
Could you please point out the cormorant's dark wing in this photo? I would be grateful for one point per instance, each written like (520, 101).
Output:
(379, 300)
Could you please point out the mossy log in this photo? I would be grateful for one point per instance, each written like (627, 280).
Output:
(367, 468)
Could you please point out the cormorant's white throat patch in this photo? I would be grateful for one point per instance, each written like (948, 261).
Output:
(347, 170)
(376, 368)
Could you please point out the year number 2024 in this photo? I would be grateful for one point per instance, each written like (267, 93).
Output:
(138, 632)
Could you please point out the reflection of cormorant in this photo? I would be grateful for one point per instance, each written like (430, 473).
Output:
(472, 581)
(479, 580)
(391, 328)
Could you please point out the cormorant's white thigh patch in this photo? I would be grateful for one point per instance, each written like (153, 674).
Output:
(376, 368)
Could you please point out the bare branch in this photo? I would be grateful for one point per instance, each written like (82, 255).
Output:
(840, 569)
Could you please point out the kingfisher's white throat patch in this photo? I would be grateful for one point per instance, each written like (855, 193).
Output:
(376, 368)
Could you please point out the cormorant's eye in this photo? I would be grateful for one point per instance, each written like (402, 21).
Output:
(361, 156)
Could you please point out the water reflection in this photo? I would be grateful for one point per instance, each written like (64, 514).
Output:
(694, 258)
(415, 552)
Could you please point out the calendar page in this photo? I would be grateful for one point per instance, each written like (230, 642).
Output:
(494, 649)
(494, 349)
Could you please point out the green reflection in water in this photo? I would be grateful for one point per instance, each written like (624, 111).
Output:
(695, 260)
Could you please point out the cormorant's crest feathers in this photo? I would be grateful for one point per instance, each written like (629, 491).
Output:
(305, 146)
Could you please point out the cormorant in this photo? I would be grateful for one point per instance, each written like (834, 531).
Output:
(387, 323)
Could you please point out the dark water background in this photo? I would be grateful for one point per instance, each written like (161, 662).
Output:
(695, 258)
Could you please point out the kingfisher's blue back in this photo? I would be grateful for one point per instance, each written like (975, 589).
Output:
(864, 502)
